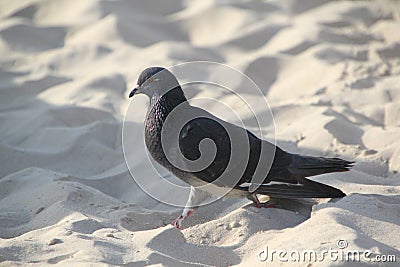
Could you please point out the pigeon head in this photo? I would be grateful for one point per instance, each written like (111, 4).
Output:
(155, 80)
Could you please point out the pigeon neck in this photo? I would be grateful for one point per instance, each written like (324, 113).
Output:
(169, 100)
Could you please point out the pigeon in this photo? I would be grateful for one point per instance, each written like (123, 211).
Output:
(285, 179)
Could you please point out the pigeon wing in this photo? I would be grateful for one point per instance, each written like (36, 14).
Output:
(206, 126)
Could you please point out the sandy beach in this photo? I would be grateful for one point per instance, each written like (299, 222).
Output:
(329, 69)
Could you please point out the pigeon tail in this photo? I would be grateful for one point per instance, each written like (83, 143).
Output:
(306, 166)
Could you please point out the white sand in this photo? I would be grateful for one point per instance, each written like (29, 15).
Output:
(330, 70)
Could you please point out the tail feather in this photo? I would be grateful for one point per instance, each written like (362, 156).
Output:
(306, 166)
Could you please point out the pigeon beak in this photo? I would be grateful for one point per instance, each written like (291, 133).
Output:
(133, 92)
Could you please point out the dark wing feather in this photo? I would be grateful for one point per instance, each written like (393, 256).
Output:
(208, 126)
(197, 130)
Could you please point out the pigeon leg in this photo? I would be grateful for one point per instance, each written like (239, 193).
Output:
(253, 197)
(178, 221)
(196, 197)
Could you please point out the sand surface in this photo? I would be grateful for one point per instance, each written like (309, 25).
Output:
(330, 71)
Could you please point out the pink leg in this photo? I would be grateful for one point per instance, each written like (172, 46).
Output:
(258, 204)
(178, 221)
(196, 197)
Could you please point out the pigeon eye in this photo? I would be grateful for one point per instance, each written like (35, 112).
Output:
(151, 79)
